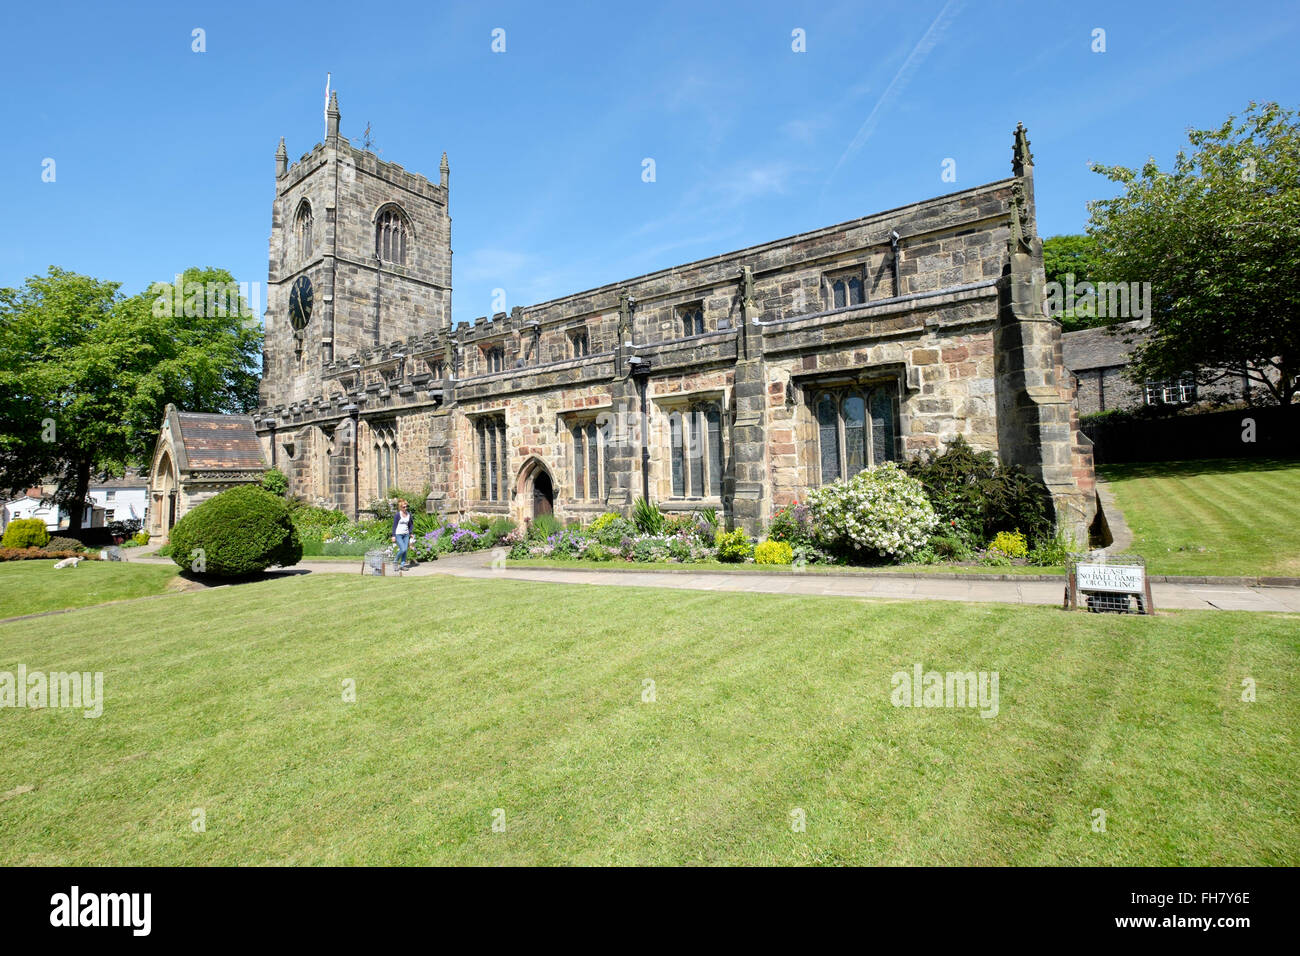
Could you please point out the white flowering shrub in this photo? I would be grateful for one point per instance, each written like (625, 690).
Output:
(884, 510)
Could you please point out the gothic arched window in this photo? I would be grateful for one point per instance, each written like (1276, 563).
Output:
(390, 236)
(695, 450)
(385, 449)
(846, 288)
(302, 228)
(856, 429)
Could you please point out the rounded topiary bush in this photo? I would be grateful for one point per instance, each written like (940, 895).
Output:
(26, 533)
(241, 531)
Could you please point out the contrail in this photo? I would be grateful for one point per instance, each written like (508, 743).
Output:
(914, 59)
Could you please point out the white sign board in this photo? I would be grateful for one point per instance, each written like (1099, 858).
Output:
(1124, 578)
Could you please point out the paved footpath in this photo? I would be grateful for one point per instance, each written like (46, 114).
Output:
(1205, 597)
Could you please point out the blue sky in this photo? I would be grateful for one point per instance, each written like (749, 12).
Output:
(165, 157)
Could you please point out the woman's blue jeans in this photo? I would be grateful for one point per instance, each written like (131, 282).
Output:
(403, 542)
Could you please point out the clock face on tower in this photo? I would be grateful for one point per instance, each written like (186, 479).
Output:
(300, 303)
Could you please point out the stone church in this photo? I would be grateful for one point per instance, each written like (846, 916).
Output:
(736, 382)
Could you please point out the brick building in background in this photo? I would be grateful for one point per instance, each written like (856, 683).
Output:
(736, 382)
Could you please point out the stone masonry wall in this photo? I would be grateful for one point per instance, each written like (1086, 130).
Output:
(948, 327)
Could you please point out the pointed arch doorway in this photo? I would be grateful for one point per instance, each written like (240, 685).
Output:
(537, 489)
(543, 494)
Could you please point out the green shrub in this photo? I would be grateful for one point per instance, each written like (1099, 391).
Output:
(141, 537)
(274, 481)
(63, 544)
(26, 533)
(595, 551)
(1012, 544)
(774, 552)
(603, 522)
(383, 508)
(501, 527)
(791, 524)
(882, 511)
(243, 530)
(950, 547)
(733, 545)
(424, 523)
(647, 517)
(650, 549)
(1052, 552)
(976, 497)
(1017, 501)
(610, 529)
(543, 527)
(313, 547)
(313, 522)
(680, 523)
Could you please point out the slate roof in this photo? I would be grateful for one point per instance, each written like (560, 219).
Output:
(1099, 347)
(219, 441)
(133, 478)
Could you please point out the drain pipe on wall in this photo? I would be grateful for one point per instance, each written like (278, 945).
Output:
(641, 375)
(893, 246)
(356, 460)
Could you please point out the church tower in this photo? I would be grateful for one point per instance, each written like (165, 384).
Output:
(360, 256)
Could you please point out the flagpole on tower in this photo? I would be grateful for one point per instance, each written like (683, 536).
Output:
(327, 103)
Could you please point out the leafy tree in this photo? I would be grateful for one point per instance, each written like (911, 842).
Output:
(1073, 259)
(1218, 237)
(1075, 254)
(86, 373)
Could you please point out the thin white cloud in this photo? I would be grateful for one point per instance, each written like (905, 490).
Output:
(927, 43)
(493, 265)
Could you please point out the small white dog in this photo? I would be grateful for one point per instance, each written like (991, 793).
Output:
(67, 563)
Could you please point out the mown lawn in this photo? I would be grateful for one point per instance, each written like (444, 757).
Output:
(29, 587)
(1225, 516)
(478, 695)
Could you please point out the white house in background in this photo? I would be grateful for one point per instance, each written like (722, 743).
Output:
(122, 499)
(33, 504)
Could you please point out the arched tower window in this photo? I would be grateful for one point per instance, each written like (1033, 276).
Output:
(302, 228)
(390, 236)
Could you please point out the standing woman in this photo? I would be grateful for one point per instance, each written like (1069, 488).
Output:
(401, 536)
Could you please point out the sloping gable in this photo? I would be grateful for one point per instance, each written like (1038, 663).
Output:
(1100, 347)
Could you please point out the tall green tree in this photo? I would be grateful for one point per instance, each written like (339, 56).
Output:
(85, 373)
(1218, 236)
(1073, 259)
